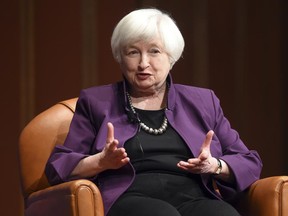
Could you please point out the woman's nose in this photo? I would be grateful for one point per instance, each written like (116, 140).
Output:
(144, 62)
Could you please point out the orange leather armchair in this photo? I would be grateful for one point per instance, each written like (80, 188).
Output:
(266, 197)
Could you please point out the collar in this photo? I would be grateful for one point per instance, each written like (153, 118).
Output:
(171, 101)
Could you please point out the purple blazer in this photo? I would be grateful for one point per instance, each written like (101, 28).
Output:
(191, 111)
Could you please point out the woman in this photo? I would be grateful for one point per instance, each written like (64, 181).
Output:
(154, 147)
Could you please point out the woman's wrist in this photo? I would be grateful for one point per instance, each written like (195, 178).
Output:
(88, 166)
(225, 173)
(218, 169)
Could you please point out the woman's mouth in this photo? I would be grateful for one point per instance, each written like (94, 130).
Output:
(143, 76)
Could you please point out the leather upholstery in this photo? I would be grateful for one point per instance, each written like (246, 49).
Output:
(37, 140)
(265, 197)
(269, 196)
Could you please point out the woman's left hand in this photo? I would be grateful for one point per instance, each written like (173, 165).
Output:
(204, 163)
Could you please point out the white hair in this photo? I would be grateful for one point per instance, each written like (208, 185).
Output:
(146, 24)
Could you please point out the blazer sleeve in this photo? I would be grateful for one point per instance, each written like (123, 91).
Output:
(77, 145)
(245, 164)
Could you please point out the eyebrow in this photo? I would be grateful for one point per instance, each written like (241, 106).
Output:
(131, 46)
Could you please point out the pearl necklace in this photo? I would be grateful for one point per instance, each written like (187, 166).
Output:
(143, 126)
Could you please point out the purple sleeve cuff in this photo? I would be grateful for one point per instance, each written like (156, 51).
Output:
(61, 164)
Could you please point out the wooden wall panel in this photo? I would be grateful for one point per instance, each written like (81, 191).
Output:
(284, 78)
(107, 18)
(10, 197)
(57, 51)
(89, 41)
(263, 92)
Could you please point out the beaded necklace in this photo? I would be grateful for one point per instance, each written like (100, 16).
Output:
(143, 126)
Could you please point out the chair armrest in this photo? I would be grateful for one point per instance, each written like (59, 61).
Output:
(266, 197)
(78, 197)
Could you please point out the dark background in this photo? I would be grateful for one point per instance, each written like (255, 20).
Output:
(52, 49)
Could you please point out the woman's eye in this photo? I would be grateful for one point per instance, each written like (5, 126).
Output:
(154, 51)
(132, 52)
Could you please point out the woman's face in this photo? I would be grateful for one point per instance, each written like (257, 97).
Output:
(145, 65)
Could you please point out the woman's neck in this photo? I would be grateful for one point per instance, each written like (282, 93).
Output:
(150, 101)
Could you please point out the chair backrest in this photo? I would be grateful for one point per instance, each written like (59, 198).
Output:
(37, 141)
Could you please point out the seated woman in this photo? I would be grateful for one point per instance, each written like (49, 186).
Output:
(151, 146)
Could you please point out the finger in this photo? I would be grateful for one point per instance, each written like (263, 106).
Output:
(125, 160)
(110, 133)
(182, 165)
(207, 141)
(205, 148)
(120, 152)
(194, 161)
(188, 164)
(112, 146)
(189, 167)
(204, 155)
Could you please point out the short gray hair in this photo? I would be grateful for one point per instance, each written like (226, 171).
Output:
(145, 24)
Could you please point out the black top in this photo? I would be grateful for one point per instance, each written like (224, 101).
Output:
(157, 153)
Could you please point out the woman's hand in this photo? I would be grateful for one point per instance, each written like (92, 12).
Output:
(112, 157)
(204, 163)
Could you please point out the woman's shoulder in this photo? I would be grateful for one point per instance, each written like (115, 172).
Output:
(193, 90)
(100, 88)
(97, 99)
(201, 99)
(204, 98)
(101, 91)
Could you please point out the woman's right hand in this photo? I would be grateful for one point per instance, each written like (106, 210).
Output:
(112, 157)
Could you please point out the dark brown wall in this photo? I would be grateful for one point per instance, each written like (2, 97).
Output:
(52, 49)
(9, 115)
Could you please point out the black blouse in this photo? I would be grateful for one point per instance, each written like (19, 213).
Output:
(157, 153)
